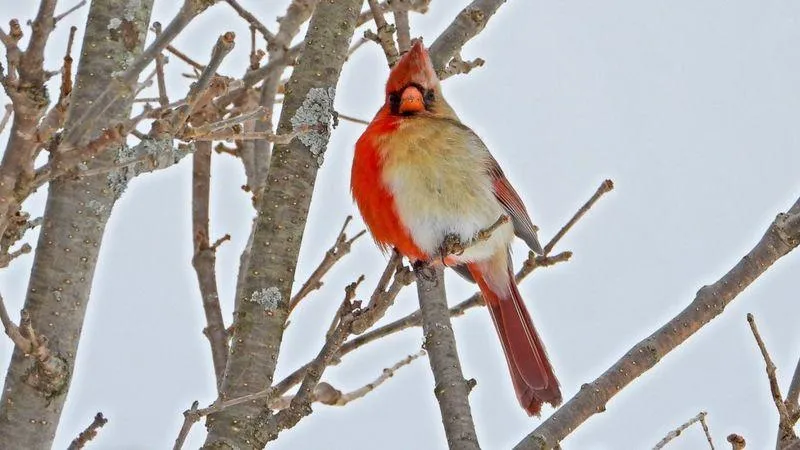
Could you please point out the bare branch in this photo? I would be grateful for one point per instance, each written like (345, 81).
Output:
(384, 294)
(459, 66)
(385, 36)
(326, 394)
(678, 431)
(785, 422)
(469, 22)
(89, 433)
(11, 329)
(300, 405)
(6, 115)
(451, 388)
(704, 425)
(352, 119)
(204, 259)
(605, 187)
(251, 19)
(403, 31)
(782, 236)
(163, 99)
(341, 247)
(224, 45)
(77, 6)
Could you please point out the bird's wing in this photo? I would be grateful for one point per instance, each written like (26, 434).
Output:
(505, 193)
(508, 197)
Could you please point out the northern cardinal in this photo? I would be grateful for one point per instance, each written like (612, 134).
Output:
(419, 177)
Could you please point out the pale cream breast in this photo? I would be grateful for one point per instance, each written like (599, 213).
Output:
(437, 173)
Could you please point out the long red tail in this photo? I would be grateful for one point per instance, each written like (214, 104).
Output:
(531, 372)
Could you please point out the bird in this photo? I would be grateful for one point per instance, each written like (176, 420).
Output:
(420, 179)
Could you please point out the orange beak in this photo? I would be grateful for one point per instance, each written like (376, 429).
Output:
(411, 101)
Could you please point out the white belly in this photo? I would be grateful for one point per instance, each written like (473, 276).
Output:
(437, 195)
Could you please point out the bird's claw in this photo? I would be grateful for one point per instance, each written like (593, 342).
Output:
(451, 245)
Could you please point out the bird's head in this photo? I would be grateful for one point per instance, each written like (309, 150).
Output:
(413, 87)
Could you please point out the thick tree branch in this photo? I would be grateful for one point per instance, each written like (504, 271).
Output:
(76, 212)
(265, 288)
(782, 236)
(451, 389)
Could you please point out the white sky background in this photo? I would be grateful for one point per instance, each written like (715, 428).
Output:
(690, 107)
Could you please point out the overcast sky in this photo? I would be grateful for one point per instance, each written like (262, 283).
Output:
(690, 107)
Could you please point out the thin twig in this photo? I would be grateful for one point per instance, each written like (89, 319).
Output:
(251, 19)
(605, 187)
(785, 422)
(704, 425)
(328, 395)
(163, 99)
(89, 433)
(678, 431)
(300, 405)
(6, 115)
(341, 246)
(221, 49)
(59, 17)
(352, 119)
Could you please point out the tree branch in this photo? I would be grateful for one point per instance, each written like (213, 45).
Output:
(786, 434)
(678, 431)
(264, 291)
(782, 236)
(89, 433)
(385, 35)
(469, 22)
(328, 395)
(451, 388)
(205, 258)
(340, 248)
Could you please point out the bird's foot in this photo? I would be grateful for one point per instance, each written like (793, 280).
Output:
(451, 245)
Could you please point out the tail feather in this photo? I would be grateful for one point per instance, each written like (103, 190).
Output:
(531, 372)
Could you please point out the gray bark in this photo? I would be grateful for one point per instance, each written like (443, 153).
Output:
(66, 255)
(282, 211)
(451, 389)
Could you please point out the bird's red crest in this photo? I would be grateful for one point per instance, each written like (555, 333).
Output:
(414, 67)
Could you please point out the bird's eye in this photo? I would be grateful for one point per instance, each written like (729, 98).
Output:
(430, 96)
(394, 99)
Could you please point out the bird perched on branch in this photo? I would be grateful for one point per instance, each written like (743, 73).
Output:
(422, 179)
